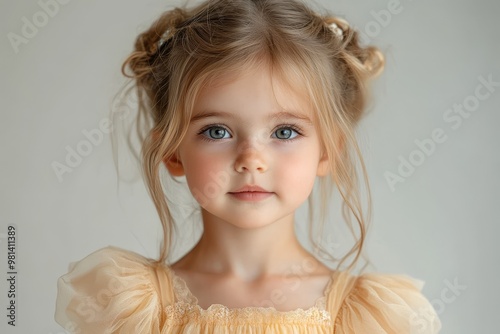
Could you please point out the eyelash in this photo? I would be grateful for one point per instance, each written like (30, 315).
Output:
(291, 126)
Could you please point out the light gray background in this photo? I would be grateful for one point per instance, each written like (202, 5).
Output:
(440, 225)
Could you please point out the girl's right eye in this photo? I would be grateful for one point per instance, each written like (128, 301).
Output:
(215, 132)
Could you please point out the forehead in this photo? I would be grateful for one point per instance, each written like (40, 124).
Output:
(254, 89)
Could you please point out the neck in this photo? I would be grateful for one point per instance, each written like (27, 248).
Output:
(247, 254)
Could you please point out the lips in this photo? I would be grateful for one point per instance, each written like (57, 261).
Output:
(250, 188)
(251, 193)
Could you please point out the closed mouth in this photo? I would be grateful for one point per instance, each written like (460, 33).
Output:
(250, 189)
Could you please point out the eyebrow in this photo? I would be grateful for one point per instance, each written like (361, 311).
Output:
(274, 116)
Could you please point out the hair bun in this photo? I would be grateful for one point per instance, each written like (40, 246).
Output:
(148, 42)
(368, 59)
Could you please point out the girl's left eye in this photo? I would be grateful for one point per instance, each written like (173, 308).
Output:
(285, 133)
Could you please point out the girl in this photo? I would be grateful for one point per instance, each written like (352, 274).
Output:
(251, 102)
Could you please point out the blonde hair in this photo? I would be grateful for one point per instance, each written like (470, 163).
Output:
(186, 48)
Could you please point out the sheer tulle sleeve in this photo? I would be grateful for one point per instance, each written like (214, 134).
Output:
(110, 291)
(383, 303)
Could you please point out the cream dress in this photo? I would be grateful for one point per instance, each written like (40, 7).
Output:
(118, 291)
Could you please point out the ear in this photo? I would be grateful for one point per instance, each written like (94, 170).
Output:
(174, 165)
(323, 165)
(324, 162)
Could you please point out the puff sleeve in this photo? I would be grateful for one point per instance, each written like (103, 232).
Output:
(111, 291)
(384, 303)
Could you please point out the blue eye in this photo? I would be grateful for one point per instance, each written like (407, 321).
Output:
(218, 132)
(215, 132)
(286, 133)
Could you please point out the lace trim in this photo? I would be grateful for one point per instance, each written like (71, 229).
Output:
(182, 292)
(181, 313)
(186, 309)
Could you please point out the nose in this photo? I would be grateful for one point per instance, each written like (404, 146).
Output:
(250, 159)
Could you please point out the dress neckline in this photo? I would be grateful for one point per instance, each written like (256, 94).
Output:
(184, 296)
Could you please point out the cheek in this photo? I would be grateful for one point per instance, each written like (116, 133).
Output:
(298, 170)
(205, 171)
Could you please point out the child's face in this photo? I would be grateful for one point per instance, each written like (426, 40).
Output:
(234, 139)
